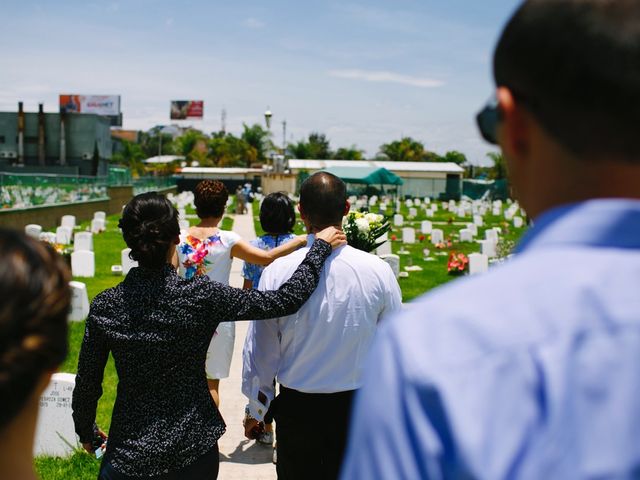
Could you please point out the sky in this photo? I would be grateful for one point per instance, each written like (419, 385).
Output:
(364, 73)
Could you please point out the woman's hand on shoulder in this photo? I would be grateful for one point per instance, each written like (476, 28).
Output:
(336, 238)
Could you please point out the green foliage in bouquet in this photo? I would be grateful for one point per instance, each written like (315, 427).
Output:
(363, 229)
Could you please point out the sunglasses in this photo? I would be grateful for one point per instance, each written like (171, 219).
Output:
(487, 120)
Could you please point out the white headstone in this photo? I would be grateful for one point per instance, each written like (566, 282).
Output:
(518, 222)
(426, 226)
(398, 220)
(63, 235)
(473, 227)
(413, 212)
(478, 263)
(48, 237)
(127, 263)
(68, 221)
(488, 248)
(466, 235)
(83, 264)
(100, 215)
(394, 263)
(429, 213)
(184, 224)
(79, 302)
(491, 234)
(55, 432)
(83, 241)
(98, 225)
(408, 235)
(477, 219)
(384, 249)
(33, 230)
(437, 236)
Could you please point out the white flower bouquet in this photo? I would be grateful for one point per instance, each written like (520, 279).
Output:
(363, 229)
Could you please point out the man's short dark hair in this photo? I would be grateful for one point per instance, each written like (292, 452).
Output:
(575, 64)
(323, 197)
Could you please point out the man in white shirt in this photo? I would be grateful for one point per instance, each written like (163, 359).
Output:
(317, 355)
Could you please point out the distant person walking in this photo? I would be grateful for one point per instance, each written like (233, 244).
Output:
(532, 370)
(35, 293)
(158, 327)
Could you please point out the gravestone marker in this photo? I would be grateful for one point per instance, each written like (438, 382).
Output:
(426, 227)
(48, 237)
(413, 212)
(63, 235)
(394, 263)
(398, 220)
(488, 248)
(100, 215)
(127, 262)
(55, 432)
(477, 219)
(79, 302)
(466, 235)
(384, 249)
(437, 236)
(33, 230)
(478, 263)
(83, 241)
(408, 235)
(518, 222)
(68, 221)
(98, 225)
(83, 264)
(473, 227)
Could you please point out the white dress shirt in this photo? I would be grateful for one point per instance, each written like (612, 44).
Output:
(322, 348)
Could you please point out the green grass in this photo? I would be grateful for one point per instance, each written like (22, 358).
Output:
(107, 247)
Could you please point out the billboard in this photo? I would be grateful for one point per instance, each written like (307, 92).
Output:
(108, 105)
(187, 109)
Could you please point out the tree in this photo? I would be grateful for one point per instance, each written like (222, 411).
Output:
(149, 143)
(130, 155)
(455, 157)
(499, 168)
(226, 150)
(258, 138)
(192, 145)
(348, 153)
(317, 147)
(405, 150)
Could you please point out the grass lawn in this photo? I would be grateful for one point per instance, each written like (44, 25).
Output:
(107, 246)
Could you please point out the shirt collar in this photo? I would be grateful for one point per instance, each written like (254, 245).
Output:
(611, 223)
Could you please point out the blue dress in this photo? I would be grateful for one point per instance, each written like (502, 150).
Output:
(267, 242)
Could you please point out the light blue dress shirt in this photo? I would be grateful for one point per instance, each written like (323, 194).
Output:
(531, 371)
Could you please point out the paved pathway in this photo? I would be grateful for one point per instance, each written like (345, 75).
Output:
(240, 458)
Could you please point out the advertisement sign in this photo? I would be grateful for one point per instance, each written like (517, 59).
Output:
(108, 105)
(187, 109)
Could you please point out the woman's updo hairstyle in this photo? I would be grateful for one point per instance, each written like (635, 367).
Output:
(35, 297)
(149, 226)
(277, 215)
(210, 198)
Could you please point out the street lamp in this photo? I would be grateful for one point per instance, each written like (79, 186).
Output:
(267, 118)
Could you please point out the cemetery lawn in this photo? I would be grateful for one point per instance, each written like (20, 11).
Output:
(107, 247)
(434, 271)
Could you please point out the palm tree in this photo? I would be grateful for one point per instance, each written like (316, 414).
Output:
(259, 139)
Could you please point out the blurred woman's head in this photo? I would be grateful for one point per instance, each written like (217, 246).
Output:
(35, 293)
(150, 227)
(210, 198)
(277, 214)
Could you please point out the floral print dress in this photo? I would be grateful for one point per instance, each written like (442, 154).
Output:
(211, 257)
(267, 242)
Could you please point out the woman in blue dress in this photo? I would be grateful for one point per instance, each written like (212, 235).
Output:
(277, 218)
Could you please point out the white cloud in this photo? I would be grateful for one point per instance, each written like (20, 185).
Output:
(387, 77)
(253, 23)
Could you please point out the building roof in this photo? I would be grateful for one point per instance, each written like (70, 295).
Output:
(162, 159)
(218, 170)
(365, 175)
(447, 167)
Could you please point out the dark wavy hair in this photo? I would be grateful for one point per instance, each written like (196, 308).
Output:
(277, 214)
(35, 293)
(210, 198)
(149, 225)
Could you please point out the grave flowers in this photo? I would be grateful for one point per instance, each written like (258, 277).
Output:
(363, 229)
(458, 263)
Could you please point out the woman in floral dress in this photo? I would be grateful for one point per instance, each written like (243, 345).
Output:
(207, 250)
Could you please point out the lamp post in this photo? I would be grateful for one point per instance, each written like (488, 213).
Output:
(267, 118)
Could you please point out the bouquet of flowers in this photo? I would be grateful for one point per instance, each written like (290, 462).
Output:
(363, 229)
(458, 263)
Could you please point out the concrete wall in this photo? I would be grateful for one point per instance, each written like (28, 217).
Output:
(49, 216)
(276, 182)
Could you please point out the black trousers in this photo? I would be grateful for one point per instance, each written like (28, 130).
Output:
(311, 430)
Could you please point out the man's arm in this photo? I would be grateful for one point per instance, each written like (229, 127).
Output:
(261, 357)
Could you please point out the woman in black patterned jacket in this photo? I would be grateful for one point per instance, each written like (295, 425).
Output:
(158, 327)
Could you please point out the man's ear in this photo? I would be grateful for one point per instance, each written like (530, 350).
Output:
(514, 128)
(347, 207)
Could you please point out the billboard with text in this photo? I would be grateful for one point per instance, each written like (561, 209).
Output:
(108, 105)
(187, 109)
